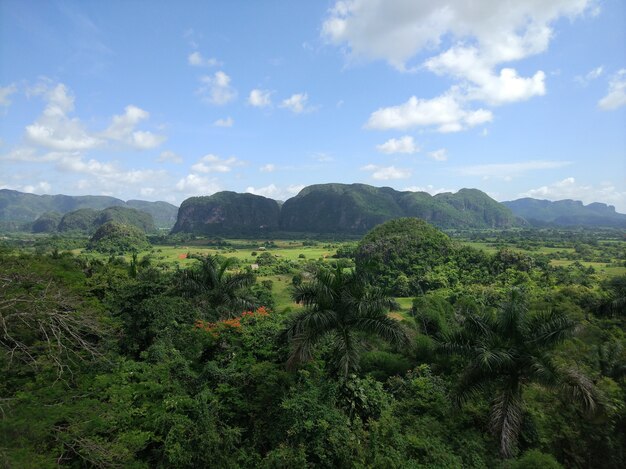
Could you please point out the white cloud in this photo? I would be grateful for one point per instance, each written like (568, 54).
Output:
(445, 112)
(296, 103)
(5, 92)
(193, 184)
(260, 98)
(404, 144)
(226, 122)
(396, 30)
(215, 164)
(42, 187)
(54, 129)
(168, 155)
(439, 155)
(216, 89)
(584, 80)
(616, 95)
(432, 190)
(274, 192)
(268, 168)
(509, 170)
(568, 188)
(197, 60)
(385, 173)
(481, 82)
(482, 36)
(122, 129)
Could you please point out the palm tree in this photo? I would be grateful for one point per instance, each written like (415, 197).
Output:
(339, 305)
(508, 351)
(216, 289)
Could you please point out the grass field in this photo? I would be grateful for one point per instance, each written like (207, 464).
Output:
(299, 251)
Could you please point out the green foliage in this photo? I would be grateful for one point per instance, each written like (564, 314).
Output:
(357, 208)
(338, 306)
(47, 222)
(115, 238)
(407, 246)
(508, 350)
(216, 292)
(150, 372)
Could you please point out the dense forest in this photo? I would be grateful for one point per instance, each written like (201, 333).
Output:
(407, 348)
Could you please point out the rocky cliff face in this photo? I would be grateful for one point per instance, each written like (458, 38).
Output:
(228, 213)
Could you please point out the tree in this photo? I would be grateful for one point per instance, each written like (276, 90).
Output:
(216, 289)
(339, 305)
(508, 351)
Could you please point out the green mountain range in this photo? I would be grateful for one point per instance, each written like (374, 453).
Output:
(19, 208)
(88, 220)
(320, 208)
(566, 213)
(338, 208)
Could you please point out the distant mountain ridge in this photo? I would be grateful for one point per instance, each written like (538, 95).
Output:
(566, 213)
(319, 208)
(23, 208)
(338, 208)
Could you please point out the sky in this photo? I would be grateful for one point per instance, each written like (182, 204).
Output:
(163, 100)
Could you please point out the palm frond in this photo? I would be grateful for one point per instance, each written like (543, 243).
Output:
(303, 346)
(544, 371)
(492, 359)
(505, 419)
(346, 352)
(384, 327)
(512, 313)
(311, 319)
(472, 382)
(577, 387)
(548, 328)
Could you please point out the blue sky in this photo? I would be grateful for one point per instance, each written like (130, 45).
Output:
(162, 100)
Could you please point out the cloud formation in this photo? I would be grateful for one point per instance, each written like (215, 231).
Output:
(296, 103)
(480, 37)
(196, 59)
(616, 94)
(272, 191)
(225, 122)
(444, 112)
(122, 129)
(5, 92)
(214, 164)
(385, 173)
(439, 155)
(216, 89)
(404, 144)
(260, 98)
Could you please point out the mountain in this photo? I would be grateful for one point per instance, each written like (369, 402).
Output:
(228, 213)
(357, 208)
(337, 208)
(566, 213)
(19, 207)
(88, 220)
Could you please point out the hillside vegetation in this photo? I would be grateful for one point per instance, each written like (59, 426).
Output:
(87, 220)
(21, 208)
(566, 213)
(338, 208)
(493, 358)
